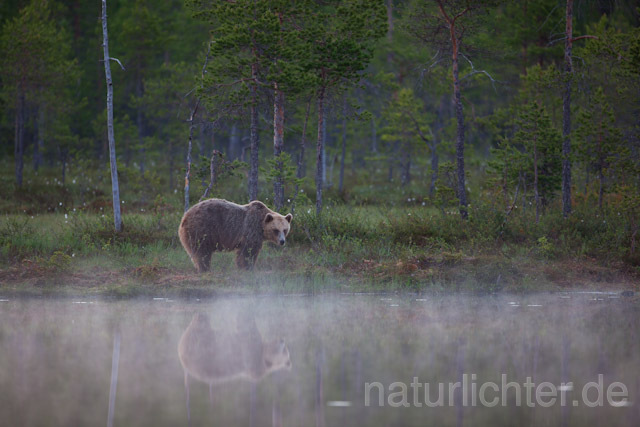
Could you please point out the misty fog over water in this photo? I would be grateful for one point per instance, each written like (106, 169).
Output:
(310, 361)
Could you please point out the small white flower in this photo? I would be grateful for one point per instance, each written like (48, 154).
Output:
(309, 211)
(60, 203)
(66, 216)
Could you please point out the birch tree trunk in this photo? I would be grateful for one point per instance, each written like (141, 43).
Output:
(536, 193)
(278, 143)
(344, 144)
(462, 191)
(115, 188)
(187, 175)
(194, 111)
(566, 113)
(139, 124)
(320, 151)
(253, 166)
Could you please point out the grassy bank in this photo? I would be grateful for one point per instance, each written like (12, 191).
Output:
(349, 249)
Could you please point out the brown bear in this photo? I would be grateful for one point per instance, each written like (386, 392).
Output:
(219, 225)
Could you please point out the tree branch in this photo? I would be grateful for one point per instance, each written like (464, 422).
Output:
(554, 41)
(417, 125)
(118, 61)
(455, 18)
(584, 37)
(474, 71)
(443, 12)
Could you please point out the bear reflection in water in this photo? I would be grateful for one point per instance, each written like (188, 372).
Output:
(216, 356)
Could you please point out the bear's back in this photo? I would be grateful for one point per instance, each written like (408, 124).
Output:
(219, 221)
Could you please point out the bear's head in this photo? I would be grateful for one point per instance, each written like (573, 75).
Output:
(275, 356)
(276, 227)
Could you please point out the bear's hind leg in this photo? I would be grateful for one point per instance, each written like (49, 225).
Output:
(202, 262)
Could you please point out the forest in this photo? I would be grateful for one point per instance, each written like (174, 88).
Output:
(474, 144)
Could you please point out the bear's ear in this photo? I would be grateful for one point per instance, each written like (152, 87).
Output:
(268, 218)
(289, 217)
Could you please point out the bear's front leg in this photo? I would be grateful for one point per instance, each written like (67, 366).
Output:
(246, 257)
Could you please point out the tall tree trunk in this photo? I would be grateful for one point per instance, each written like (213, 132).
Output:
(253, 166)
(406, 167)
(187, 175)
(374, 136)
(232, 152)
(18, 149)
(325, 181)
(392, 159)
(566, 114)
(320, 151)
(536, 194)
(38, 147)
(139, 123)
(115, 188)
(194, 111)
(171, 163)
(344, 144)
(524, 41)
(64, 154)
(303, 142)
(462, 191)
(523, 176)
(434, 165)
(390, 32)
(301, 170)
(601, 190)
(278, 144)
(600, 167)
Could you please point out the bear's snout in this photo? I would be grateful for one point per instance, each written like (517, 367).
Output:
(282, 242)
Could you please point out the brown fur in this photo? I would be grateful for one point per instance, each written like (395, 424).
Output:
(220, 225)
(214, 356)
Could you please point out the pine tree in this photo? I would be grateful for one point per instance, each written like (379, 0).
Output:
(35, 68)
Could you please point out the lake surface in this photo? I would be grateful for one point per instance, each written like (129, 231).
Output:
(345, 360)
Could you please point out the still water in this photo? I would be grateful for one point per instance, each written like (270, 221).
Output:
(337, 360)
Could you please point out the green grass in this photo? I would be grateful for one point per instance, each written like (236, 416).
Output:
(373, 236)
(348, 249)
